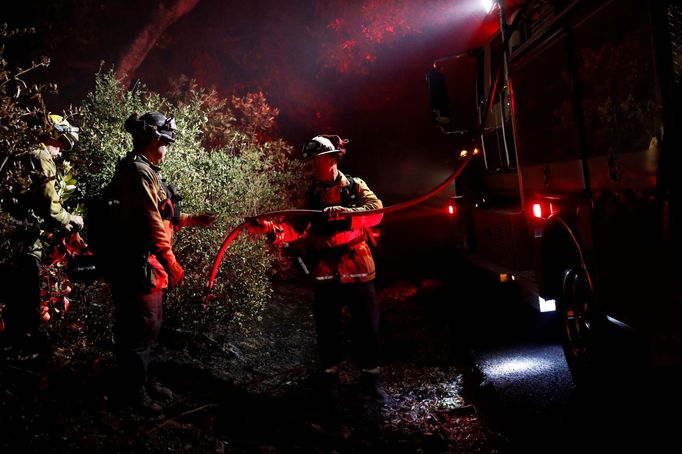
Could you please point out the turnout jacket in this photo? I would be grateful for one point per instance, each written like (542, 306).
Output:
(47, 191)
(142, 239)
(338, 249)
(45, 210)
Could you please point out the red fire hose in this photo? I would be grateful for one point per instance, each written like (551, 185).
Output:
(298, 212)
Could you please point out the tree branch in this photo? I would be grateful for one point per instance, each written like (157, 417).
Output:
(162, 18)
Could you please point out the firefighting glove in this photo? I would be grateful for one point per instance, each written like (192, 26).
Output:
(75, 223)
(257, 226)
(203, 219)
(176, 274)
(334, 212)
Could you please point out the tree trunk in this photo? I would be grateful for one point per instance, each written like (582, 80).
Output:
(162, 18)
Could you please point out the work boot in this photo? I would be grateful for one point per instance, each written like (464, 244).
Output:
(329, 386)
(157, 391)
(328, 398)
(38, 340)
(143, 403)
(371, 388)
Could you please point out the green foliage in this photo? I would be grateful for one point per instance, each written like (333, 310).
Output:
(103, 140)
(23, 120)
(69, 182)
(223, 161)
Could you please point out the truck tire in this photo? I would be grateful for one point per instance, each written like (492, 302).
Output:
(567, 278)
(583, 327)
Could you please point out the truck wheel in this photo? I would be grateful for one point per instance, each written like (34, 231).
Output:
(582, 324)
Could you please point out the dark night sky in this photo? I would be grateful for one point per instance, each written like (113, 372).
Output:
(355, 68)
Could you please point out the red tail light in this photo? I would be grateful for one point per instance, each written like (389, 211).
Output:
(450, 205)
(543, 208)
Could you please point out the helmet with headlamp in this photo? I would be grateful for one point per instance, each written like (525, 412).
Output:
(63, 131)
(151, 125)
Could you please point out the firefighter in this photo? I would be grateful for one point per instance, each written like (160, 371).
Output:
(342, 264)
(40, 214)
(142, 262)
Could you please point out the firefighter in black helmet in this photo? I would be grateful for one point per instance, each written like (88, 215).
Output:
(40, 213)
(143, 262)
(343, 268)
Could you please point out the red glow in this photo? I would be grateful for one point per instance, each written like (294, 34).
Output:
(451, 209)
(543, 209)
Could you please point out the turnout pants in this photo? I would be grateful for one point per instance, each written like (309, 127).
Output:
(22, 312)
(138, 316)
(360, 298)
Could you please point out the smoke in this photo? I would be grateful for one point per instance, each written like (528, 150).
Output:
(355, 68)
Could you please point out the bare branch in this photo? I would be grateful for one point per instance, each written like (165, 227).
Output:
(162, 18)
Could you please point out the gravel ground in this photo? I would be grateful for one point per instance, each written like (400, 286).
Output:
(258, 393)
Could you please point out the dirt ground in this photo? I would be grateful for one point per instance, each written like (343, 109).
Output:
(258, 393)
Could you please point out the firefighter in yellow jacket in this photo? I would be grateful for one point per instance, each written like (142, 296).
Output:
(42, 213)
(342, 263)
(142, 260)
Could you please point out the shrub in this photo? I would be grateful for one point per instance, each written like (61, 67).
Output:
(223, 161)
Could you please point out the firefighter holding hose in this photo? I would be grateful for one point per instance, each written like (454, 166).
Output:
(343, 268)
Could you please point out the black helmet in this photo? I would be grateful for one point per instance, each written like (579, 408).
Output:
(152, 125)
(324, 144)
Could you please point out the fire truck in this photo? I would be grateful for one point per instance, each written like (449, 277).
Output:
(574, 196)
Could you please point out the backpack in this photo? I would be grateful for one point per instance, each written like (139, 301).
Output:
(100, 227)
(96, 261)
(101, 214)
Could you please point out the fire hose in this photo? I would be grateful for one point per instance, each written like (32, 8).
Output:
(232, 235)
